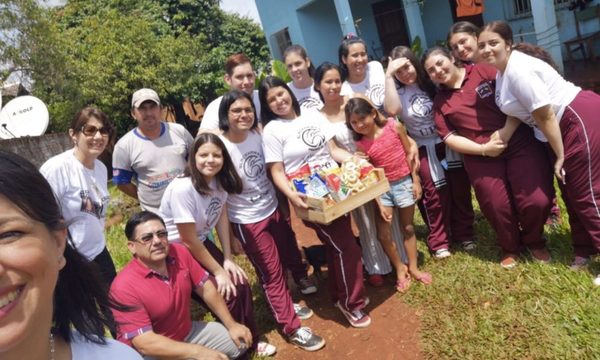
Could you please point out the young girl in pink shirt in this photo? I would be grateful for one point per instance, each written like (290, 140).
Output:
(385, 143)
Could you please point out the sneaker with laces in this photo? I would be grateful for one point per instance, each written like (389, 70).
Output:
(307, 286)
(469, 245)
(509, 261)
(356, 318)
(442, 254)
(302, 312)
(306, 340)
(265, 349)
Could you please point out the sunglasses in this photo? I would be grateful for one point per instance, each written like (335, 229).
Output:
(91, 130)
(148, 237)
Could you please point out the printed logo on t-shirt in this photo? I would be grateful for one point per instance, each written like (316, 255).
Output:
(497, 98)
(310, 103)
(213, 210)
(421, 106)
(253, 165)
(484, 90)
(312, 137)
(89, 206)
(377, 94)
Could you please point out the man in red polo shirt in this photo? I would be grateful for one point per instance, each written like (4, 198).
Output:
(157, 284)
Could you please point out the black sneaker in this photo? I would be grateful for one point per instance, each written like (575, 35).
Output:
(302, 312)
(306, 340)
(307, 286)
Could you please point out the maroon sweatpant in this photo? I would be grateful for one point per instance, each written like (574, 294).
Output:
(514, 191)
(462, 215)
(240, 306)
(580, 129)
(269, 244)
(344, 262)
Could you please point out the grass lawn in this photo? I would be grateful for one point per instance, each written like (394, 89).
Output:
(475, 309)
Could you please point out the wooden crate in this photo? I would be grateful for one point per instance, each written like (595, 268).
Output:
(321, 212)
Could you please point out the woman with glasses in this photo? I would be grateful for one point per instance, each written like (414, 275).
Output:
(79, 181)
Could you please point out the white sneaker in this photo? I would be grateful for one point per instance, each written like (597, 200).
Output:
(265, 349)
(597, 280)
(442, 253)
(303, 312)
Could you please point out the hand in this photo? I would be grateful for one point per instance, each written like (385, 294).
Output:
(559, 171)
(395, 65)
(297, 199)
(236, 273)
(205, 353)
(501, 134)
(417, 189)
(386, 213)
(241, 335)
(236, 245)
(494, 147)
(225, 286)
(361, 155)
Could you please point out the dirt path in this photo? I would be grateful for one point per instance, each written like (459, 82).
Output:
(393, 333)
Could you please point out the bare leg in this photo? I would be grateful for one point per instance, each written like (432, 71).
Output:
(384, 234)
(410, 243)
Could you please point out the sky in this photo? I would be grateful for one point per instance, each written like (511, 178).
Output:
(242, 7)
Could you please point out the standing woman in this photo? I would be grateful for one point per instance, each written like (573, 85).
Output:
(264, 233)
(79, 181)
(446, 199)
(466, 117)
(328, 83)
(192, 206)
(54, 305)
(531, 90)
(462, 41)
(290, 141)
(361, 75)
(301, 70)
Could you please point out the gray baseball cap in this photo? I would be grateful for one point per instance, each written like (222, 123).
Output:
(144, 95)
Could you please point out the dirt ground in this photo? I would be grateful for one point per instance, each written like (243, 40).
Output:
(393, 333)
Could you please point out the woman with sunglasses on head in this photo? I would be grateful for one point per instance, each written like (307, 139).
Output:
(468, 121)
(292, 140)
(53, 304)
(79, 180)
(529, 88)
(446, 203)
(301, 70)
(194, 204)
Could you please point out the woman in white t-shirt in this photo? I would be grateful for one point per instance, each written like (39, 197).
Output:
(263, 231)
(532, 91)
(328, 82)
(79, 181)
(361, 75)
(292, 140)
(53, 302)
(195, 203)
(301, 69)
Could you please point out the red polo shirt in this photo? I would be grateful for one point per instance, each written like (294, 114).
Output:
(160, 304)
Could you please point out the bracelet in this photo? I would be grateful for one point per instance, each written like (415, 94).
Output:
(482, 150)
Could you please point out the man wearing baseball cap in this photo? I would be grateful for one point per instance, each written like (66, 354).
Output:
(149, 157)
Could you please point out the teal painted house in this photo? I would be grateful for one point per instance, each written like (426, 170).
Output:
(319, 25)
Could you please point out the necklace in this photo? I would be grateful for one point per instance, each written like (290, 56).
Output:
(52, 348)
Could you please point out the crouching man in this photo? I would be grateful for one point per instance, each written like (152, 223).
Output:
(157, 285)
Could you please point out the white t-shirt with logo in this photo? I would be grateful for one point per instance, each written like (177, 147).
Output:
(417, 113)
(182, 204)
(529, 83)
(373, 85)
(258, 200)
(300, 141)
(83, 197)
(308, 98)
(155, 162)
(210, 119)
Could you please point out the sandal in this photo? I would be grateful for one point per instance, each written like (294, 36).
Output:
(402, 285)
(425, 278)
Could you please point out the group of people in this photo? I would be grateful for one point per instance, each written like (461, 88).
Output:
(486, 113)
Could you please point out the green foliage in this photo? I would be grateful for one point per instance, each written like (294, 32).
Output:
(416, 47)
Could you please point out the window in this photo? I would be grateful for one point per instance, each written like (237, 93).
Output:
(281, 41)
(522, 8)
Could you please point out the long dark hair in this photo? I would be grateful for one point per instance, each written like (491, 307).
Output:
(462, 27)
(227, 178)
(344, 50)
(268, 83)
(320, 73)
(503, 29)
(80, 297)
(361, 107)
(300, 51)
(423, 80)
(228, 99)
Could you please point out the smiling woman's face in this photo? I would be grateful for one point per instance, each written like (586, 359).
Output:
(31, 256)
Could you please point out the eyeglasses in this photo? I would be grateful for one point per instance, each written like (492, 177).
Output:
(91, 130)
(148, 237)
(239, 111)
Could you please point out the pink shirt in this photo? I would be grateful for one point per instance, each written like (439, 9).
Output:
(387, 152)
(160, 304)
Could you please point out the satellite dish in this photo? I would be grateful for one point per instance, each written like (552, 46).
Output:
(23, 116)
